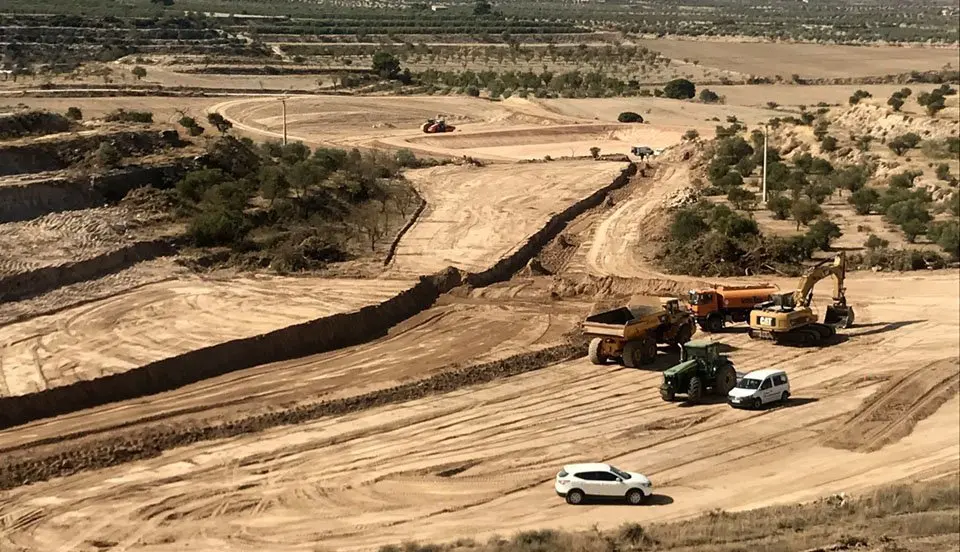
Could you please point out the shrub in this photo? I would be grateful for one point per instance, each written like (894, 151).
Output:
(629, 117)
(123, 116)
(780, 206)
(691, 135)
(804, 211)
(947, 235)
(219, 122)
(729, 181)
(195, 184)
(743, 199)
(595, 152)
(829, 144)
(217, 225)
(687, 224)
(74, 114)
(107, 155)
(859, 95)
(875, 242)
(823, 232)
(473, 91)
(709, 96)
(680, 89)
(406, 158)
(943, 172)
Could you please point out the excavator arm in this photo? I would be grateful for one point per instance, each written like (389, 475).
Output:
(803, 295)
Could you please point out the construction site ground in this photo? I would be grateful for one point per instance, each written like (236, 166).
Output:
(476, 453)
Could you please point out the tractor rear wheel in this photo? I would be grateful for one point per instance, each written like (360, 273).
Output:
(632, 354)
(695, 389)
(725, 381)
(594, 351)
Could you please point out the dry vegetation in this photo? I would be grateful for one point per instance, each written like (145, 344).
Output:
(911, 517)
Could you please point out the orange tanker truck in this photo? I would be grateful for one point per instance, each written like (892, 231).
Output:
(715, 307)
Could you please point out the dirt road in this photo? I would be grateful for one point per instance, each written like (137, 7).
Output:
(480, 461)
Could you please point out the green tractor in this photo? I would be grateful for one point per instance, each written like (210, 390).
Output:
(702, 369)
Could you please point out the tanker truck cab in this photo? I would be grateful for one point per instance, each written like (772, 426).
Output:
(760, 387)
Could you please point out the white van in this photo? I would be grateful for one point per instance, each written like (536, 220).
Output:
(760, 387)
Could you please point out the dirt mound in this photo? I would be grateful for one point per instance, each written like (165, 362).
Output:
(619, 287)
(878, 121)
(50, 155)
(21, 470)
(892, 412)
(32, 123)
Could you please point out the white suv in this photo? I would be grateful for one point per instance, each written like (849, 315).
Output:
(760, 387)
(576, 482)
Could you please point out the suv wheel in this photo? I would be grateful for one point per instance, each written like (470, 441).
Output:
(575, 496)
(635, 496)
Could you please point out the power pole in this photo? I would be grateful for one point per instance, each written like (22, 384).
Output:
(764, 164)
(283, 101)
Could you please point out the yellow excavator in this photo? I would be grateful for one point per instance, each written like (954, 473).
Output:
(788, 317)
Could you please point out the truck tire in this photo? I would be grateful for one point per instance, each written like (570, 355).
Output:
(648, 350)
(726, 379)
(632, 354)
(683, 335)
(594, 351)
(695, 390)
(714, 323)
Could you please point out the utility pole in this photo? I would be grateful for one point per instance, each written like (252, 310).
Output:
(283, 101)
(764, 164)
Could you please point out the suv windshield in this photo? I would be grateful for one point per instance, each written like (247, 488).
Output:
(622, 474)
(749, 383)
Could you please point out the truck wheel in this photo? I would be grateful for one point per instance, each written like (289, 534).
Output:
(594, 351)
(648, 350)
(695, 390)
(714, 323)
(725, 381)
(632, 354)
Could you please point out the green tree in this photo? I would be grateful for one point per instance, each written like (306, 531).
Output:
(828, 144)
(219, 122)
(74, 114)
(823, 232)
(859, 95)
(804, 211)
(780, 206)
(691, 135)
(687, 225)
(386, 65)
(595, 152)
(482, 7)
(864, 200)
(139, 72)
(108, 156)
(947, 235)
(680, 89)
(742, 198)
(943, 172)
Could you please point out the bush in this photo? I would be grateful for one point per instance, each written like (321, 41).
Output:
(195, 184)
(691, 135)
(709, 96)
(780, 206)
(680, 89)
(74, 114)
(898, 260)
(108, 156)
(943, 172)
(687, 224)
(947, 235)
(406, 158)
(629, 117)
(829, 144)
(804, 211)
(875, 242)
(473, 91)
(741, 198)
(823, 232)
(864, 200)
(859, 95)
(122, 116)
(217, 225)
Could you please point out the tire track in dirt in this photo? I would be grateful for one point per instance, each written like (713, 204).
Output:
(892, 412)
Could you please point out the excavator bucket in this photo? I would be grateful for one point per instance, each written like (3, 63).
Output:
(839, 316)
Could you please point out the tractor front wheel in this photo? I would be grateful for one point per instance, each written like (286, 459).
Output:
(667, 394)
(695, 389)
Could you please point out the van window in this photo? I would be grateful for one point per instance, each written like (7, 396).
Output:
(767, 384)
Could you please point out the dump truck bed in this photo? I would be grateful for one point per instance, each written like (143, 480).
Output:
(622, 322)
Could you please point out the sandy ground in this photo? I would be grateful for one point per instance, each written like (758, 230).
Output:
(807, 60)
(167, 318)
(481, 461)
(476, 215)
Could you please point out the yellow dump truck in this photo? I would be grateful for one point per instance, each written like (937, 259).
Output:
(629, 335)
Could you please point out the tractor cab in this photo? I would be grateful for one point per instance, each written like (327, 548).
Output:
(702, 349)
